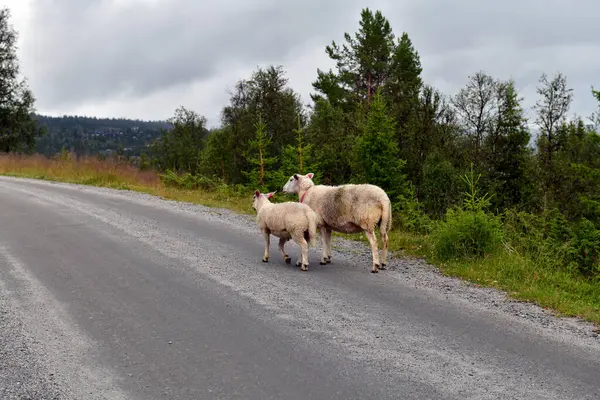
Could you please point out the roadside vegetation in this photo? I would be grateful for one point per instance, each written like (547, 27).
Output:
(476, 190)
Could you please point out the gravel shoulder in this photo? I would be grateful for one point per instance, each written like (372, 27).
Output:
(408, 327)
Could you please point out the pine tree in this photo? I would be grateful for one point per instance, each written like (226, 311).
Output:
(363, 63)
(18, 128)
(296, 158)
(258, 158)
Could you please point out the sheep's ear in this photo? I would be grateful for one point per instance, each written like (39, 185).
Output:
(269, 195)
(296, 176)
(310, 175)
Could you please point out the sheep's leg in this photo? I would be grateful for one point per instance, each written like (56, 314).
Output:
(267, 236)
(323, 231)
(373, 241)
(286, 258)
(329, 246)
(384, 248)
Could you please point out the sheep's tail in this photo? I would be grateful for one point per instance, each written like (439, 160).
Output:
(310, 235)
(385, 224)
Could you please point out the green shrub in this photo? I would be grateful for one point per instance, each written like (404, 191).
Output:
(468, 231)
(466, 234)
(583, 252)
(189, 181)
(409, 215)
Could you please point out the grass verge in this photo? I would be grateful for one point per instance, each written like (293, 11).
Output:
(522, 278)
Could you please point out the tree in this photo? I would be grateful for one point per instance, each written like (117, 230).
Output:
(377, 156)
(369, 61)
(363, 63)
(402, 90)
(595, 117)
(332, 133)
(476, 106)
(298, 157)
(551, 109)
(258, 158)
(178, 149)
(506, 150)
(18, 128)
(216, 157)
(267, 94)
(432, 129)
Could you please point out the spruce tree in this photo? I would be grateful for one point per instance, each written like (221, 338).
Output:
(377, 156)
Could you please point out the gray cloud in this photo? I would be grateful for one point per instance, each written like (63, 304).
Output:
(92, 52)
(511, 39)
(94, 49)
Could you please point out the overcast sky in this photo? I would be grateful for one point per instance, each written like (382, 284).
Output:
(144, 58)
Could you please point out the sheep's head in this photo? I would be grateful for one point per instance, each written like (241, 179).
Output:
(259, 198)
(298, 182)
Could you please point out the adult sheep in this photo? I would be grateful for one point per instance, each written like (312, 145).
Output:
(288, 220)
(346, 208)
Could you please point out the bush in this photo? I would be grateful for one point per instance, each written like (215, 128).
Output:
(409, 215)
(466, 234)
(468, 231)
(583, 252)
(189, 181)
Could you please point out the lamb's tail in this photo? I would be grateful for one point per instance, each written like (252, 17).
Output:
(310, 235)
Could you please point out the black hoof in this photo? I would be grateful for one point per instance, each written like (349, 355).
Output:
(265, 260)
(298, 264)
(329, 260)
(322, 263)
(374, 271)
(383, 267)
(288, 260)
(304, 268)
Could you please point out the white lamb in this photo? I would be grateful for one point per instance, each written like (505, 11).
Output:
(289, 220)
(347, 209)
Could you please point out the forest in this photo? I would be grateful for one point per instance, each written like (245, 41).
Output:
(90, 136)
(476, 185)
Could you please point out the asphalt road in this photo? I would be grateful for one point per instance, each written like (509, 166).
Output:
(118, 295)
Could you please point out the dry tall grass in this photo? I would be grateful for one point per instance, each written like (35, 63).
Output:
(85, 170)
(116, 174)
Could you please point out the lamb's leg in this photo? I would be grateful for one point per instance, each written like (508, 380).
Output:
(303, 259)
(328, 236)
(373, 241)
(286, 258)
(267, 236)
(324, 246)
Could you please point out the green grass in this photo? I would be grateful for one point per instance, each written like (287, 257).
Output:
(522, 278)
(563, 292)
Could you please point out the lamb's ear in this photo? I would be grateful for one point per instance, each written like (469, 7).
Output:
(269, 195)
(310, 175)
(296, 176)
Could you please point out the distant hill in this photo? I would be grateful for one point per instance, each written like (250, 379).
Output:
(92, 136)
